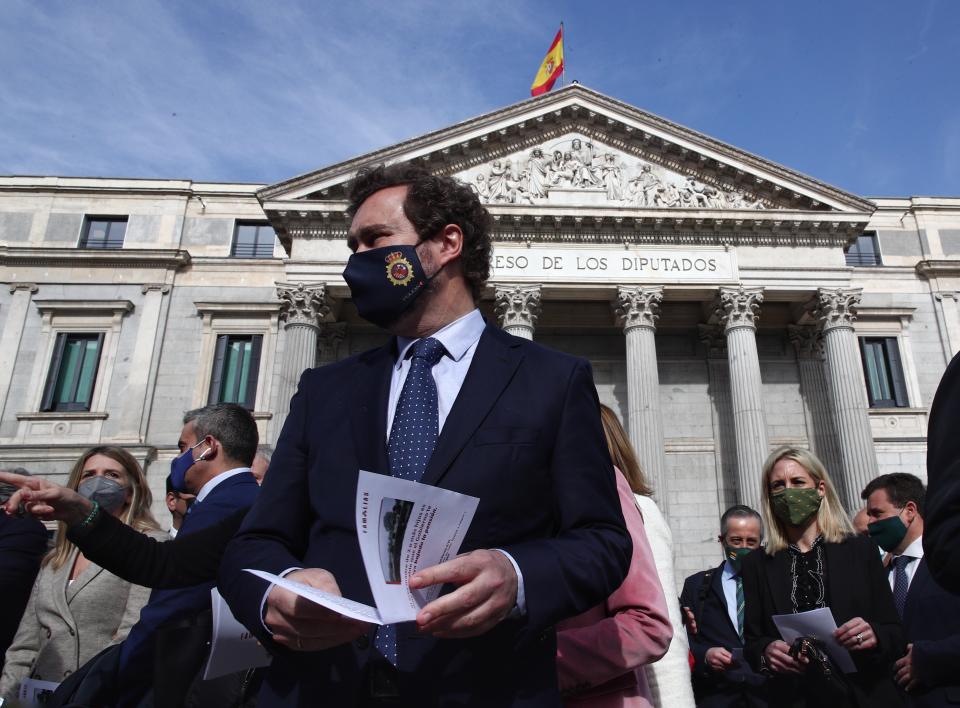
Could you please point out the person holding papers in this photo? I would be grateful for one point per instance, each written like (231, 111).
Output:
(813, 559)
(448, 401)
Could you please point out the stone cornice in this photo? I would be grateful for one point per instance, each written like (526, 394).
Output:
(237, 309)
(173, 259)
(60, 307)
(327, 220)
(938, 269)
(576, 108)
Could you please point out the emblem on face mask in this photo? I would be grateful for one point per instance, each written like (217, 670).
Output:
(399, 270)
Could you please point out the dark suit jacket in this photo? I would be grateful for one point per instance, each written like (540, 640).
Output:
(857, 586)
(739, 685)
(941, 520)
(186, 560)
(22, 545)
(524, 436)
(169, 606)
(931, 618)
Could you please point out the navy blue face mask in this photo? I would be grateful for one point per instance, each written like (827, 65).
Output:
(179, 467)
(385, 282)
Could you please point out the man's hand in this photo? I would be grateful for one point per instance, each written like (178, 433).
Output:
(689, 619)
(487, 592)
(299, 624)
(856, 635)
(779, 660)
(45, 500)
(718, 658)
(903, 670)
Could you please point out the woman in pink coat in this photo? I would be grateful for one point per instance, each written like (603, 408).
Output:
(600, 653)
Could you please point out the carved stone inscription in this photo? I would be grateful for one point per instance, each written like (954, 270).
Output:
(641, 265)
(575, 171)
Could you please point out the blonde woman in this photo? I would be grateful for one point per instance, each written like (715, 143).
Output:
(669, 678)
(813, 559)
(77, 608)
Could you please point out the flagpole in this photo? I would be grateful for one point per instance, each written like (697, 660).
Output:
(563, 40)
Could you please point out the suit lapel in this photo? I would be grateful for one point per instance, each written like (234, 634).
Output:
(494, 363)
(368, 410)
(780, 581)
(716, 585)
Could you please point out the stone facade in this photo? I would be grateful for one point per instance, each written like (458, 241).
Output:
(709, 288)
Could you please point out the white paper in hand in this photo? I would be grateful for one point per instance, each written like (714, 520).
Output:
(816, 624)
(340, 605)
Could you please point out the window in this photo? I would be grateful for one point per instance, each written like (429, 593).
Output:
(864, 251)
(73, 371)
(251, 240)
(236, 364)
(103, 232)
(886, 387)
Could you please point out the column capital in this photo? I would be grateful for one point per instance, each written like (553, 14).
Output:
(328, 343)
(807, 340)
(517, 305)
(713, 337)
(26, 287)
(162, 288)
(835, 307)
(638, 306)
(302, 303)
(738, 307)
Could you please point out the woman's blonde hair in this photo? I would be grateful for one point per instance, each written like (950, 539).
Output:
(831, 518)
(137, 514)
(621, 452)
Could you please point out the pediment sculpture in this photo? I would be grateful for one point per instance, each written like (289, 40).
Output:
(572, 171)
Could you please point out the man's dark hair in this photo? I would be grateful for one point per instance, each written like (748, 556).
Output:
(432, 202)
(231, 424)
(900, 488)
(739, 511)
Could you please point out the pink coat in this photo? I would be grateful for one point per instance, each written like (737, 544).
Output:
(600, 651)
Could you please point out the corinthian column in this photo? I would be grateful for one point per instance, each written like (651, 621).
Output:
(835, 310)
(302, 307)
(638, 310)
(815, 390)
(518, 308)
(737, 313)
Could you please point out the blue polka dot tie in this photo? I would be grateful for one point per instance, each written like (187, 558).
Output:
(416, 424)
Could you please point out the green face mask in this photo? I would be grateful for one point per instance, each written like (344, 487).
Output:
(887, 533)
(795, 506)
(735, 555)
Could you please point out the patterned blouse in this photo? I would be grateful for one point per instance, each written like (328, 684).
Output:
(808, 589)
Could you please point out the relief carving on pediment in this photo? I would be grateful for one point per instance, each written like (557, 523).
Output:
(572, 171)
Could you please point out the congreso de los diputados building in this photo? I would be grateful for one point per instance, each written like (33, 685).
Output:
(727, 304)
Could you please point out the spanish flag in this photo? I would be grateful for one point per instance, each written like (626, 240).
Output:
(551, 68)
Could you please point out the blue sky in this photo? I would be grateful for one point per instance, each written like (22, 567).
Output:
(862, 94)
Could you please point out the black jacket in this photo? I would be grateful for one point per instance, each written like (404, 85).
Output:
(857, 586)
(941, 532)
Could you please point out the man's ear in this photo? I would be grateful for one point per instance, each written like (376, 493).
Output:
(171, 502)
(911, 508)
(450, 241)
(212, 449)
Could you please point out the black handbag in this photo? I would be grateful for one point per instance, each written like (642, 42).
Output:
(823, 680)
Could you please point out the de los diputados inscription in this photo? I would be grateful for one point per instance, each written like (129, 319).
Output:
(612, 264)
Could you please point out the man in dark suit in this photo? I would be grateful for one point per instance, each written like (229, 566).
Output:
(931, 615)
(721, 676)
(23, 541)
(941, 542)
(217, 445)
(497, 417)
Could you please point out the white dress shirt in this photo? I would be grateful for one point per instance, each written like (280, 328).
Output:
(915, 551)
(214, 481)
